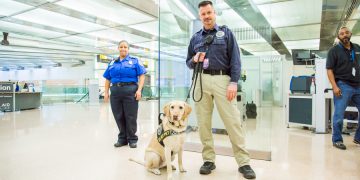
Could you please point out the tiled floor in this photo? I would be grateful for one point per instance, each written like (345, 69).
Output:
(75, 142)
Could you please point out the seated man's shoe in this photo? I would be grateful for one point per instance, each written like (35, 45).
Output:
(357, 142)
(119, 144)
(339, 145)
(132, 145)
(207, 167)
(247, 172)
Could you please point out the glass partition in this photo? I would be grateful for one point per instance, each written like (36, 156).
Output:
(261, 76)
(64, 91)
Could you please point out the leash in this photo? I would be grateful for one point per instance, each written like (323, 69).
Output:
(197, 70)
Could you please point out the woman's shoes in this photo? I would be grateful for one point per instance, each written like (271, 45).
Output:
(132, 145)
(118, 144)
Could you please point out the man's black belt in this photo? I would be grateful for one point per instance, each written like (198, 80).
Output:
(123, 83)
(216, 72)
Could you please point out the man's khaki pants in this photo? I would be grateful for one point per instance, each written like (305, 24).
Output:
(214, 88)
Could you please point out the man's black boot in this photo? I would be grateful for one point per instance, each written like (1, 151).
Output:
(207, 167)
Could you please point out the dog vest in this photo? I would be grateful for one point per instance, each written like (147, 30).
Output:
(161, 134)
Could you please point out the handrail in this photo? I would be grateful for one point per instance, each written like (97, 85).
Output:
(87, 94)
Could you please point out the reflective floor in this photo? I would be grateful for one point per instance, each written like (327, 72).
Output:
(75, 141)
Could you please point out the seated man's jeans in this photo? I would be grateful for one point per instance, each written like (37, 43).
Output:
(340, 103)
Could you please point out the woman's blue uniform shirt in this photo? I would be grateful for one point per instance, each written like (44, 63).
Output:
(126, 70)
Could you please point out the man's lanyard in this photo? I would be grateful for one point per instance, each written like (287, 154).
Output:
(352, 57)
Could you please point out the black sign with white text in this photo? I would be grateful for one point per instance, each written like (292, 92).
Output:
(6, 96)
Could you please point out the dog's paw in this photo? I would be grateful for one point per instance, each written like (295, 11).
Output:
(173, 167)
(155, 171)
(182, 170)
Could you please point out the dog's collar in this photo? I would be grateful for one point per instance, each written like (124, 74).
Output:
(172, 123)
(161, 134)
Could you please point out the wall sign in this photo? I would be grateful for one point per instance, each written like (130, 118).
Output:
(6, 96)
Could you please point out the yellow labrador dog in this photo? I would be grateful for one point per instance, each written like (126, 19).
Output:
(168, 140)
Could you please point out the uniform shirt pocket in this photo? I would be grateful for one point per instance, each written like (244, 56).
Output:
(220, 42)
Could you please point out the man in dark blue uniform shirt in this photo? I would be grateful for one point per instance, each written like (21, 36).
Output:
(344, 75)
(126, 77)
(221, 63)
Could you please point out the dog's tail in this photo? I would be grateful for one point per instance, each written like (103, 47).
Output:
(139, 162)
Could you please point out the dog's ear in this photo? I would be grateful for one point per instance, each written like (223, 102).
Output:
(167, 109)
(187, 110)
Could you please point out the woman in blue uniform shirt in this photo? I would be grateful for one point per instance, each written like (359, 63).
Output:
(125, 79)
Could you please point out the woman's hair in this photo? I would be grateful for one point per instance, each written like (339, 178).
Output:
(124, 41)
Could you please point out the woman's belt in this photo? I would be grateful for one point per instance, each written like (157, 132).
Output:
(123, 83)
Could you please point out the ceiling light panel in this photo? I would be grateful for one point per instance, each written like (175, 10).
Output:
(27, 30)
(56, 20)
(264, 53)
(312, 44)
(107, 9)
(291, 13)
(9, 7)
(268, 1)
(116, 35)
(299, 32)
(257, 47)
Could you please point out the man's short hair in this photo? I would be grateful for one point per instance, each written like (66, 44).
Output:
(204, 3)
(343, 27)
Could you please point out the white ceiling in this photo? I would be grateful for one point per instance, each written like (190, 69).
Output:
(9, 7)
(107, 9)
(291, 13)
(95, 26)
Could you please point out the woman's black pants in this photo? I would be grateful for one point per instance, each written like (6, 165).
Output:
(125, 108)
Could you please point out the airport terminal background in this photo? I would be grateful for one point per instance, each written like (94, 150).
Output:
(58, 127)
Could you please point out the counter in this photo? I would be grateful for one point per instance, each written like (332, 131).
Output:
(25, 100)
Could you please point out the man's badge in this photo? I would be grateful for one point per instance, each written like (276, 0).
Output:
(220, 34)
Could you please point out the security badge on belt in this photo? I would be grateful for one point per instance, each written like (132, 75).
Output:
(353, 71)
